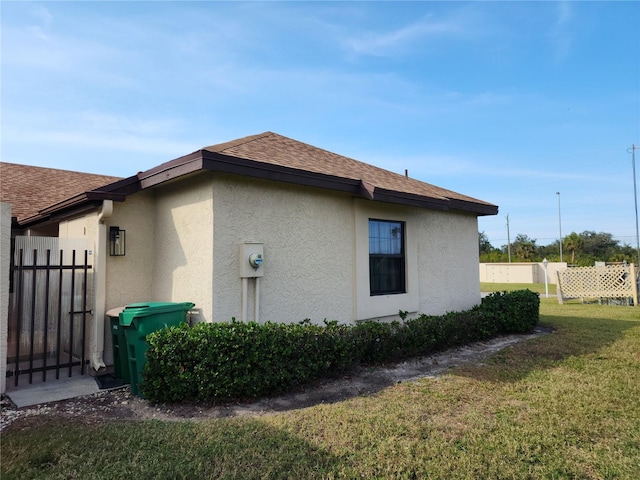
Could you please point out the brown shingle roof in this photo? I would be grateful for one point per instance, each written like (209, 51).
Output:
(276, 149)
(30, 189)
(40, 193)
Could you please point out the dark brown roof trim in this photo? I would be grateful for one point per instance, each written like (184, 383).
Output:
(126, 186)
(401, 198)
(171, 170)
(218, 162)
(82, 198)
(39, 218)
(78, 203)
(480, 209)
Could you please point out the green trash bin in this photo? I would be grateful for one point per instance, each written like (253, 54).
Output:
(139, 320)
(119, 346)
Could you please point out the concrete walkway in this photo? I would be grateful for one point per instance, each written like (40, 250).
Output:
(53, 391)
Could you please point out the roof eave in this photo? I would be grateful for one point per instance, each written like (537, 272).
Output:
(410, 199)
(171, 170)
(78, 203)
(81, 198)
(480, 209)
(218, 162)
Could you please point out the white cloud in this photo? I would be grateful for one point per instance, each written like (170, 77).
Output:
(43, 15)
(44, 20)
(464, 23)
(114, 141)
(95, 130)
(382, 44)
(33, 48)
(560, 35)
(565, 13)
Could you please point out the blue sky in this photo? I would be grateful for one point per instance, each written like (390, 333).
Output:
(509, 102)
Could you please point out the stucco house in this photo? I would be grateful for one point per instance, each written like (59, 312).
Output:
(269, 228)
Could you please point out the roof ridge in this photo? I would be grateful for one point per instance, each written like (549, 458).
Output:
(60, 170)
(221, 147)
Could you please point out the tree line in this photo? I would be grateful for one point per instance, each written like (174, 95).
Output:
(580, 249)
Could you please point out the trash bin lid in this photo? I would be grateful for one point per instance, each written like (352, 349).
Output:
(114, 312)
(144, 309)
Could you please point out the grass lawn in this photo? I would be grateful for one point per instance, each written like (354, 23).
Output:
(564, 405)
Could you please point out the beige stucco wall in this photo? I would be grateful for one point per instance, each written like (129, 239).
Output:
(182, 244)
(169, 238)
(315, 252)
(183, 238)
(308, 250)
(123, 280)
(448, 259)
(129, 277)
(519, 272)
(5, 258)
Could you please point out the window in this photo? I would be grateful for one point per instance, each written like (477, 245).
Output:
(386, 257)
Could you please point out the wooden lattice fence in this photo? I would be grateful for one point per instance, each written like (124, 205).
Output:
(611, 281)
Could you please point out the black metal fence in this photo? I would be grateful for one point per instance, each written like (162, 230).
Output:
(49, 311)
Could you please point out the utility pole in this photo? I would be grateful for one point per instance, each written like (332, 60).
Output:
(508, 240)
(560, 225)
(635, 194)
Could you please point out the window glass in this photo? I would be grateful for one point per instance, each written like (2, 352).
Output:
(386, 257)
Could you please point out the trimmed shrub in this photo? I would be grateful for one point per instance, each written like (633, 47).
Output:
(242, 360)
(514, 312)
(236, 360)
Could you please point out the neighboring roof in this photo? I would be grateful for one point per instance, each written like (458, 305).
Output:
(30, 189)
(273, 157)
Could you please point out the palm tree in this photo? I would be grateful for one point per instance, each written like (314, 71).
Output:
(573, 242)
(524, 247)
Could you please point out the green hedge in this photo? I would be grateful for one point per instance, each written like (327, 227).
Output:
(224, 361)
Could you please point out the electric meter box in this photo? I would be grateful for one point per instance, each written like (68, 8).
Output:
(251, 259)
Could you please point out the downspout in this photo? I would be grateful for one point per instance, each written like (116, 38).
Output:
(100, 284)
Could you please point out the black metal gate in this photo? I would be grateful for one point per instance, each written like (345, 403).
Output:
(48, 312)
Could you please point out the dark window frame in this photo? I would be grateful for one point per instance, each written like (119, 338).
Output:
(387, 270)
